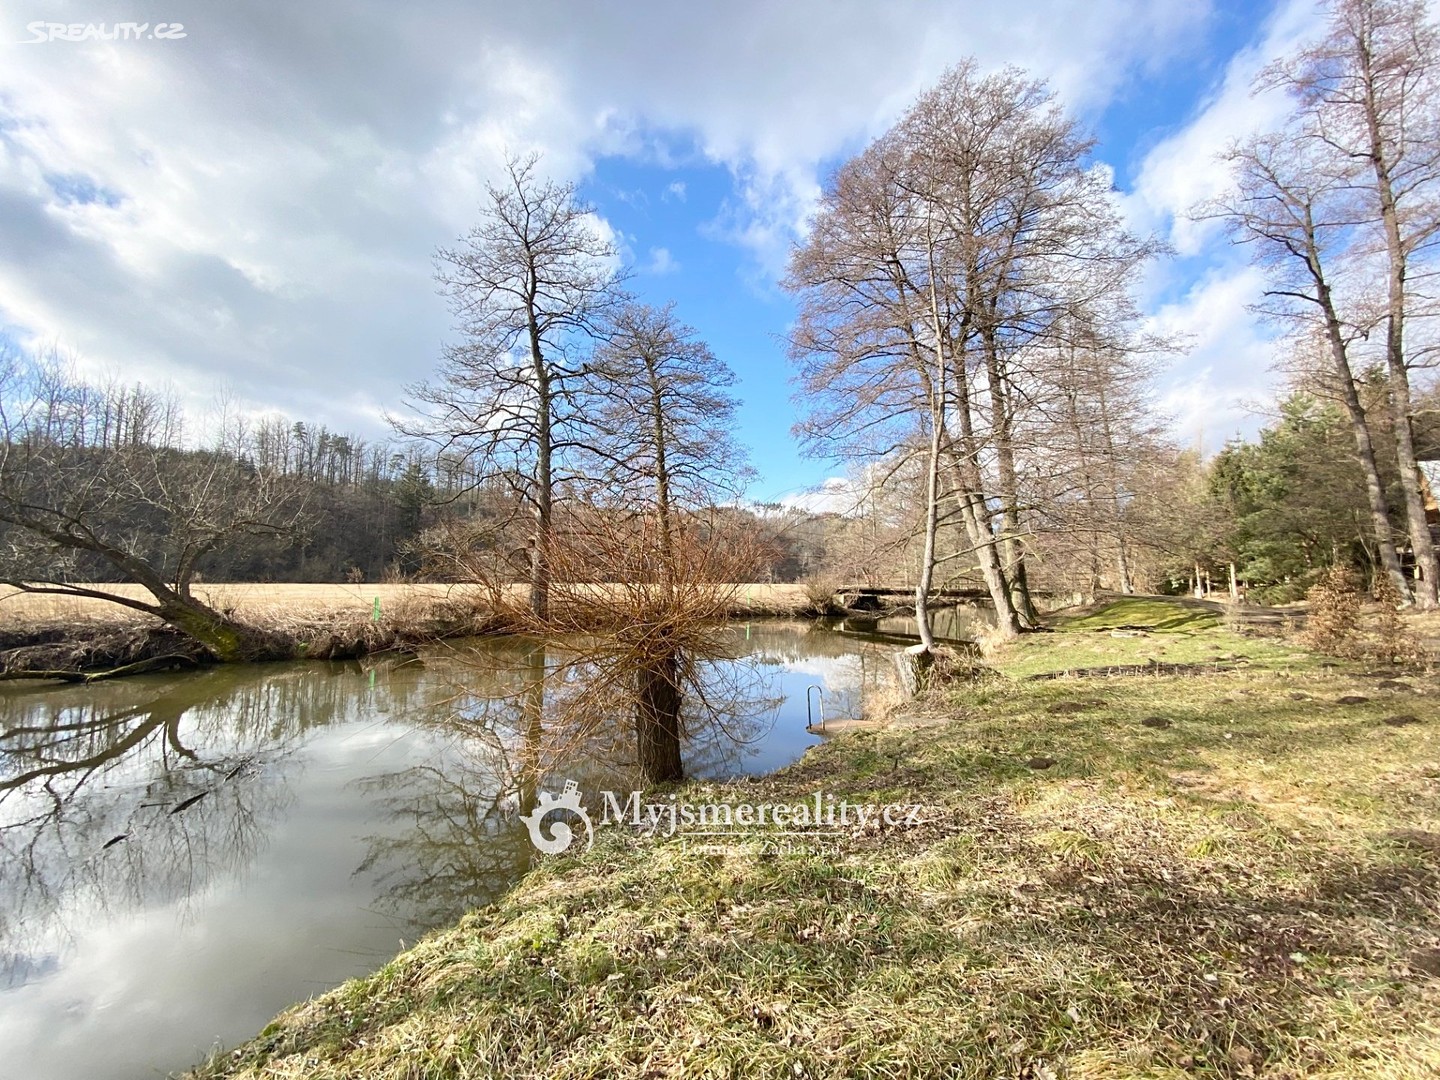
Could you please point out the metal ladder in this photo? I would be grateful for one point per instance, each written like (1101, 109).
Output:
(820, 703)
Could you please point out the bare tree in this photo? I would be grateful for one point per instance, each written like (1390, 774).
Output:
(661, 409)
(1300, 215)
(648, 637)
(1369, 94)
(1029, 237)
(871, 345)
(529, 287)
(946, 264)
(78, 505)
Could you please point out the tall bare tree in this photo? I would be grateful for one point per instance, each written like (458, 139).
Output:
(529, 286)
(946, 263)
(661, 412)
(1369, 94)
(871, 345)
(1029, 237)
(1301, 217)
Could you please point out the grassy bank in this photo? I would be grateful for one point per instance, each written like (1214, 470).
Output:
(1230, 872)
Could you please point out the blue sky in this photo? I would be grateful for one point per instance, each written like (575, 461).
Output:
(253, 207)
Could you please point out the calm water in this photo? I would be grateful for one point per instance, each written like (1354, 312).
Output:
(956, 622)
(182, 857)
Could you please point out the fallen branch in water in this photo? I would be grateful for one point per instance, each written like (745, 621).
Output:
(167, 662)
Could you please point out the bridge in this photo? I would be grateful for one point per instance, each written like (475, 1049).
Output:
(868, 598)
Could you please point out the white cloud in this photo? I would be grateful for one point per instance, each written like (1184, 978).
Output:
(661, 262)
(835, 495)
(284, 173)
(1230, 358)
(675, 190)
(1186, 169)
(1203, 299)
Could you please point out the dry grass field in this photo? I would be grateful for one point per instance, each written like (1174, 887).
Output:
(266, 603)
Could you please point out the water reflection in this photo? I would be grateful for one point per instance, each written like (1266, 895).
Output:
(109, 808)
(182, 856)
(955, 623)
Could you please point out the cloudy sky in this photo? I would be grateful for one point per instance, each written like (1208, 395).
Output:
(252, 207)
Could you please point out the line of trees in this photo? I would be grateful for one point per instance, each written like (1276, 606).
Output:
(965, 318)
(1342, 206)
(965, 338)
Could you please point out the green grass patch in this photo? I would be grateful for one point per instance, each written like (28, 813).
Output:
(1145, 630)
(1152, 613)
(1229, 874)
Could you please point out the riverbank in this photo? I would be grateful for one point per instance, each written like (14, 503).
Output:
(1231, 872)
(50, 636)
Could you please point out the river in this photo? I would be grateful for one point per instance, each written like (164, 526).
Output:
(183, 856)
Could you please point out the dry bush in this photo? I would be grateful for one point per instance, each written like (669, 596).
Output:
(1336, 625)
(991, 640)
(960, 664)
(821, 594)
(1393, 641)
(1333, 623)
(636, 607)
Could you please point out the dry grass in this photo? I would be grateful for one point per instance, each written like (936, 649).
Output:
(264, 604)
(1230, 875)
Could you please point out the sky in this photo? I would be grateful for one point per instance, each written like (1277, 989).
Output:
(245, 203)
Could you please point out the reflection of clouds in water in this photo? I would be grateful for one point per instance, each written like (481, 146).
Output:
(252, 933)
(837, 671)
(844, 680)
(133, 958)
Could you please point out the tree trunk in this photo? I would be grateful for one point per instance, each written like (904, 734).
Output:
(1007, 619)
(544, 493)
(927, 558)
(657, 720)
(1122, 567)
(977, 523)
(1117, 510)
(532, 711)
(1399, 391)
(1426, 595)
(662, 470)
(229, 640)
(1360, 427)
(1012, 552)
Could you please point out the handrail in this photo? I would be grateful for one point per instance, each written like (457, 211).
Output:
(809, 714)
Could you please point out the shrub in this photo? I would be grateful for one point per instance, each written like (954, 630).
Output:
(820, 593)
(1333, 625)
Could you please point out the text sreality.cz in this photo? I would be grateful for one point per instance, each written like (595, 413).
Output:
(42, 32)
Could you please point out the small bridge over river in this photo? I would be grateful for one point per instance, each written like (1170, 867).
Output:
(874, 598)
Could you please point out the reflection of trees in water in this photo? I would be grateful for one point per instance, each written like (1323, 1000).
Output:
(552, 711)
(192, 771)
(122, 795)
(531, 719)
(461, 844)
(796, 643)
(849, 670)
